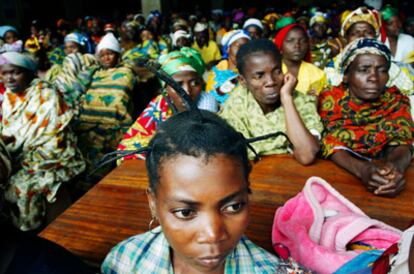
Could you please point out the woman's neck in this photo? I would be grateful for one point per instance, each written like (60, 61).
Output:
(293, 66)
(182, 267)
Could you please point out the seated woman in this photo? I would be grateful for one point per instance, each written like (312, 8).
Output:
(369, 129)
(43, 148)
(25, 253)
(364, 23)
(266, 101)
(73, 43)
(186, 67)
(222, 78)
(10, 36)
(202, 221)
(293, 43)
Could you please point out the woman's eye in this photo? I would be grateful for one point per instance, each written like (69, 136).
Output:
(184, 213)
(234, 208)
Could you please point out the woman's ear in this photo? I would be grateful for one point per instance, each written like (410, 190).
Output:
(242, 80)
(152, 202)
(345, 79)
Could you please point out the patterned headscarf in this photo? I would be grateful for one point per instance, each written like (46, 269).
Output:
(361, 14)
(318, 17)
(362, 46)
(185, 59)
(231, 37)
(18, 59)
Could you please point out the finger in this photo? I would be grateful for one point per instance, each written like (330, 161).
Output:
(390, 186)
(379, 179)
(373, 184)
(391, 192)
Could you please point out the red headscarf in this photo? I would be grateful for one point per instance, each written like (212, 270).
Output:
(281, 35)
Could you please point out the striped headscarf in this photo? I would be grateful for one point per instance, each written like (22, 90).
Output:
(362, 46)
(185, 59)
(361, 14)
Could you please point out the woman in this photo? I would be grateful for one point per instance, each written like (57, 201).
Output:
(202, 221)
(73, 43)
(369, 129)
(186, 67)
(365, 23)
(100, 97)
(43, 148)
(400, 44)
(222, 78)
(10, 36)
(293, 42)
(266, 102)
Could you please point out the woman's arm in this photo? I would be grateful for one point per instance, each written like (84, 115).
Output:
(305, 145)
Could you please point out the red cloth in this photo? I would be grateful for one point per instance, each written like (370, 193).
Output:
(382, 264)
(281, 35)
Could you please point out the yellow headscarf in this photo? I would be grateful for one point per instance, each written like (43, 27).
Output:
(361, 14)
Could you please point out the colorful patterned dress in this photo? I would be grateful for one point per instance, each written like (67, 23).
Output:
(44, 151)
(364, 128)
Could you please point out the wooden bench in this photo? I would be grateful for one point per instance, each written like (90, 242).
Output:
(116, 208)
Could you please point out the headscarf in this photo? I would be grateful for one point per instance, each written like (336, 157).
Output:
(388, 11)
(185, 59)
(76, 38)
(268, 20)
(178, 34)
(281, 35)
(19, 60)
(283, 22)
(109, 42)
(253, 22)
(318, 17)
(153, 13)
(361, 14)
(199, 27)
(231, 37)
(4, 29)
(362, 46)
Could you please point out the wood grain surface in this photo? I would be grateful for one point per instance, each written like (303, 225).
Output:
(116, 208)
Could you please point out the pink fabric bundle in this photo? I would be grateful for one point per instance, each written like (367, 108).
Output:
(317, 224)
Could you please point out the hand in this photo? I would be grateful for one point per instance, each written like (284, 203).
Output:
(382, 178)
(289, 84)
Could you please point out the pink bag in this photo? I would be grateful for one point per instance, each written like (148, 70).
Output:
(316, 225)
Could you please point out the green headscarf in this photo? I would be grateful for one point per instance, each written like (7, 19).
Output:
(185, 59)
(283, 22)
(388, 11)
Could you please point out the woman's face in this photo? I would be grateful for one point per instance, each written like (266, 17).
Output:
(191, 82)
(254, 32)
(108, 58)
(15, 78)
(203, 208)
(10, 37)
(183, 42)
(296, 45)
(367, 76)
(146, 35)
(360, 30)
(234, 48)
(263, 77)
(71, 47)
(393, 26)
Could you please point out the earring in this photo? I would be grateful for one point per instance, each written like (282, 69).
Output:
(153, 219)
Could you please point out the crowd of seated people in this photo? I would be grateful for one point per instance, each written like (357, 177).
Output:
(336, 84)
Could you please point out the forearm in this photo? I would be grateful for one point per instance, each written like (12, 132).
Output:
(400, 157)
(305, 145)
(348, 162)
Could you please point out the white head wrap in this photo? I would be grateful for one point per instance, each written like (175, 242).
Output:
(199, 27)
(179, 34)
(109, 42)
(253, 22)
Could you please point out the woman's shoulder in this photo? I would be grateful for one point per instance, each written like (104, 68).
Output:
(147, 251)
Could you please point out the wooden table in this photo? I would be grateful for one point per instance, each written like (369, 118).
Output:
(116, 208)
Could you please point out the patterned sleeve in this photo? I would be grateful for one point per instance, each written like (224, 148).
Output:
(75, 77)
(141, 132)
(308, 111)
(233, 112)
